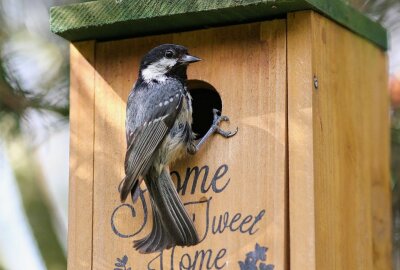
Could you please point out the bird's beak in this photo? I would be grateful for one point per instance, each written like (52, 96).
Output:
(187, 59)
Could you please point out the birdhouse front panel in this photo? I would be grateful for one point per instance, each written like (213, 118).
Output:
(235, 189)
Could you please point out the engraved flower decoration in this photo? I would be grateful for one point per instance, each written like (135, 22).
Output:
(255, 260)
(121, 263)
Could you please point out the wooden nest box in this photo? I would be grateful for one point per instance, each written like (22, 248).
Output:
(305, 182)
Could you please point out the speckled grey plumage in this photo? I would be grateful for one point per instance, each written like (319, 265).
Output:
(158, 130)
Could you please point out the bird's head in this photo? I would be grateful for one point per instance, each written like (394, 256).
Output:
(167, 60)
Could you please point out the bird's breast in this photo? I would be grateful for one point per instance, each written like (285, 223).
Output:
(175, 144)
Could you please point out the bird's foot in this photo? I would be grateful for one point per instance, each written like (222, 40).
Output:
(218, 118)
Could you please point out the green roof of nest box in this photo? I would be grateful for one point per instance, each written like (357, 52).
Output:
(116, 19)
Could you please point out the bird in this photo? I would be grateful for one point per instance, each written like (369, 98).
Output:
(159, 132)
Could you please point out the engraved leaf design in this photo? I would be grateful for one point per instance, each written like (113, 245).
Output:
(254, 260)
(125, 260)
(260, 252)
(264, 266)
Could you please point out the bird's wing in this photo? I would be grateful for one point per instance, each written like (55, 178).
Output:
(159, 114)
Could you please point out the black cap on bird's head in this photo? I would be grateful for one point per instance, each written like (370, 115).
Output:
(166, 60)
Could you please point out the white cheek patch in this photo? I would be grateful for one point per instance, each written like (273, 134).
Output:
(157, 70)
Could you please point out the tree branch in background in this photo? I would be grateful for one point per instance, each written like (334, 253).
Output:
(36, 204)
(16, 102)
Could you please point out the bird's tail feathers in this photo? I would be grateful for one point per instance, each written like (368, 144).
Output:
(171, 223)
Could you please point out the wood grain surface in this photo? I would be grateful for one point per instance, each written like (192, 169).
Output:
(338, 115)
(247, 66)
(80, 208)
(300, 143)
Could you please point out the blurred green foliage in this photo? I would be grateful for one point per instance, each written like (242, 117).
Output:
(395, 147)
(33, 101)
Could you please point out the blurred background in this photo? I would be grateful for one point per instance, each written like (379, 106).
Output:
(34, 131)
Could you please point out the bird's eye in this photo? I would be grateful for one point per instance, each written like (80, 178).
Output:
(169, 54)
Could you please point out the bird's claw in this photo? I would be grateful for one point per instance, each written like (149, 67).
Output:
(216, 114)
(214, 129)
(218, 118)
(226, 134)
(224, 118)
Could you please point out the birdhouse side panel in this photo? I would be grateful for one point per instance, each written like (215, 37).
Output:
(352, 131)
(338, 111)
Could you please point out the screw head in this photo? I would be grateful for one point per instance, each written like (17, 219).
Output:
(315, 82)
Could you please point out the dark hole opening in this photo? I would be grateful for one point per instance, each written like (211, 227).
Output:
(205, 98)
